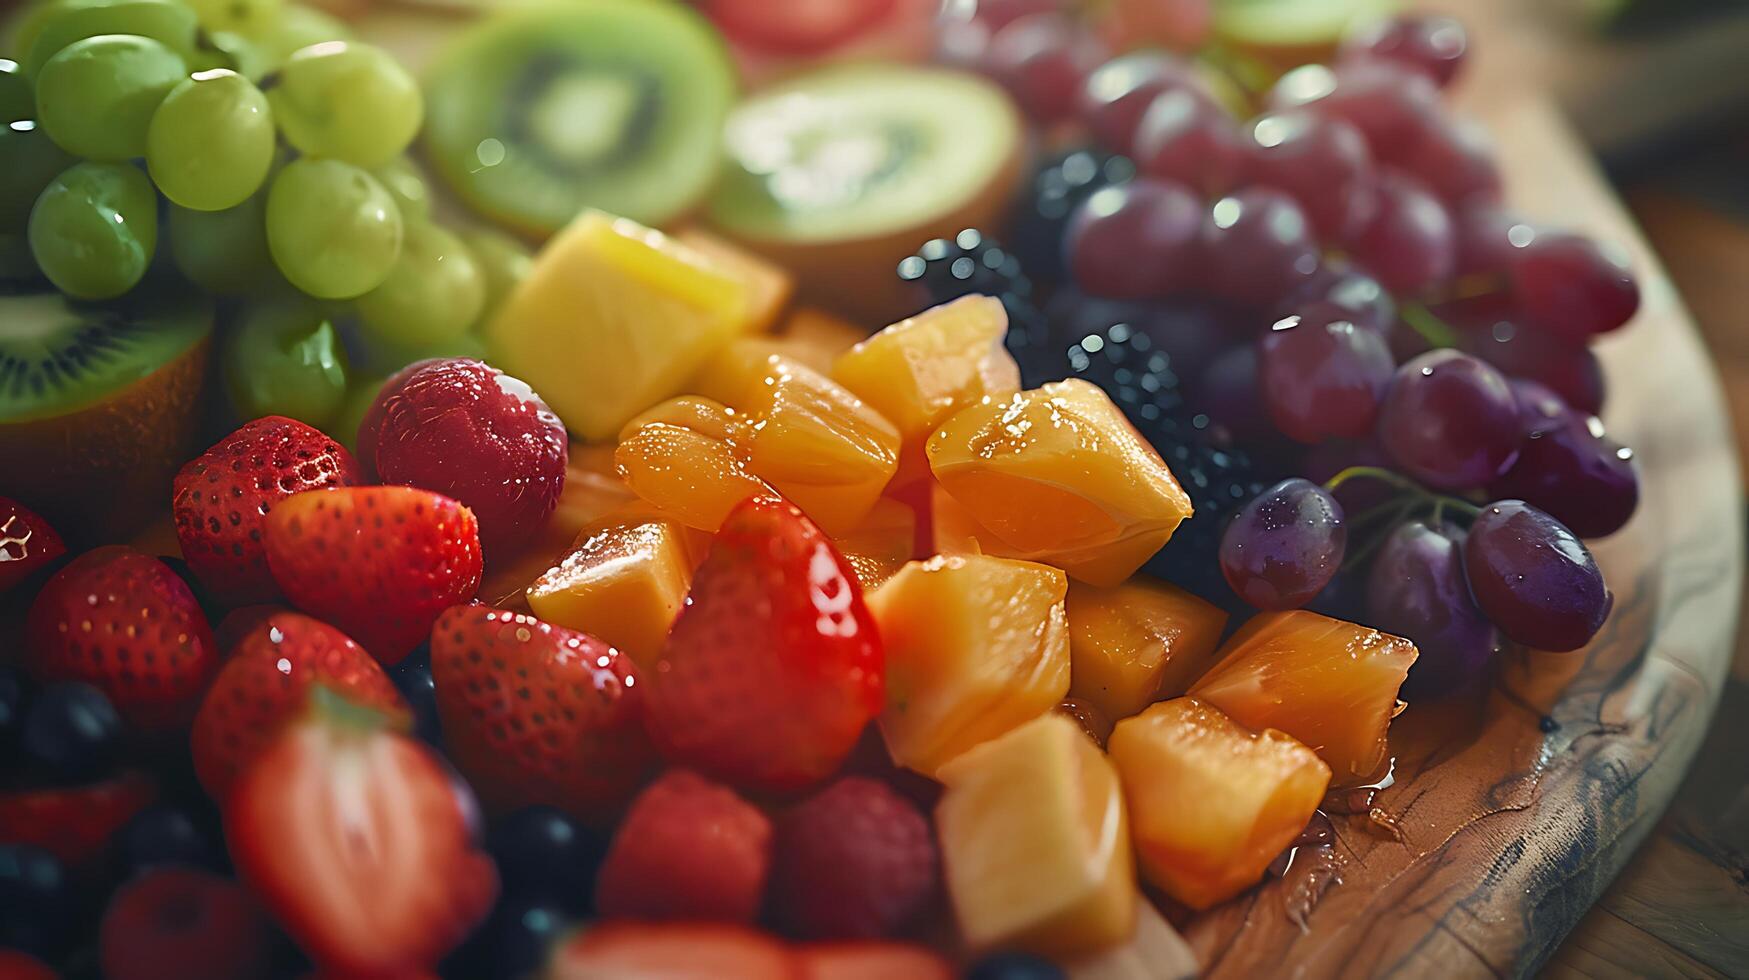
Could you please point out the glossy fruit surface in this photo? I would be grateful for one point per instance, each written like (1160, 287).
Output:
(1185, 136)
(1450, 421)
(72, 730)
(1283, 547)
(856, 860)
(1571, 468)
(1534, 578)
(1410, 244)
(1417, 588)
(94, 229)
(1138, 642)
(920, 370)
(688, 849)
(27, 543)
(73, 826)
(1135, 241)
(624, 580)
(1323, 162)
(211, 141)
(96, 96)
(1431, 44)
(1573, 286)
(1323, 376)
(347, 101)
(1257, 247)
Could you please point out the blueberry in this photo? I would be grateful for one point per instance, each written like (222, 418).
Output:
(36, 900)
(162, 835)
(413, 679)
(14, 704)
(72, 731)
(519, 935)
(544, 854)
(1014, 966)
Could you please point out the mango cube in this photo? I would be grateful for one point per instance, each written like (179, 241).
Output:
(953, 530)
(613, 318)
(975, 645)
(921, 370)
(1211, 803)
(1141, 641)
(881, 545)
(1035, 842)
(693, 475)
(624, 582)
(592, 489)
(1330, 684)
(769, 285)
(1058, 475)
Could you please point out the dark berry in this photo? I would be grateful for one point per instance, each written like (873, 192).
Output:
(161, 835)
(36, 901)
(413, 679)
(943, 270)
(72, 731)
(544, 854)
(1015, 966)
(1057, 190)
(15, 691)
(519, 935)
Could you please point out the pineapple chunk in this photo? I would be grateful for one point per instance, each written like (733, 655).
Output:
(613, 318)
(624, 582)
(975, 646)
(1211, 803)
(881, 545)
(1330, 684)
(769, 285)
(592, 489)
(1058, 475)
(693, 475)
(1132, 645)
(919, 371)
(1035, 842)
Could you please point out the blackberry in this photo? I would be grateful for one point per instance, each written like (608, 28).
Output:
(946, 269)
(1058, 187)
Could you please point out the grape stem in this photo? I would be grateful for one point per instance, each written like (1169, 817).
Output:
(1416, 495)
(1425, 322)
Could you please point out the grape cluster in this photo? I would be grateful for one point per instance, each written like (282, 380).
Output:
(266, 149)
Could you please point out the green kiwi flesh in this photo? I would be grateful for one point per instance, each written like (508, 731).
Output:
(861, 151)
(1294, 23)
(538, 113)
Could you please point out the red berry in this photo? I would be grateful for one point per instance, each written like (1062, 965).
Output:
(74, 824)
(366, 437)
(627, 950)
(124, 623)
(360, 842)
(1410, 244)
(27, 543)
(774, 667)
(856, 861)
(687, 849)
(381, 563)
(870, 960)
(181, 924)
(472, 432)
(535, 713)
(265, 683)
(223, 496)
(1322, 162)
(16, 965)
(800, 27)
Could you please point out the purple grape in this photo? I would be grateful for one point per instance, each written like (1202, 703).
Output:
(1257, 247)
(1573, 287)
(1492, 330)
(1136, 240)
(1534, 578)
(1323, 163)
(1043, 60)
(1350, 289)
(1321, 376)
(1283, 547)
(1186, 136)
(1410, 244)
(1569, 467)
(1485, 236)
(1228, 394)
(1450, 421)
(1116, 95)
(1539, 408)
(1417, 589)
(1455, 159)
(1430, 44)
(1390, 105)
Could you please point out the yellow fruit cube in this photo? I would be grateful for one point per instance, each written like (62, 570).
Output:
(919, 371)
(1058, 475)
(694, 476)
(624, 582)
(1211, 803)
(613, 318)
(975, 646)
(816, 337)
(1141, 641)
(592, 489)
(1035, 842)
(953, 528)
(769, 285)
(881, 545)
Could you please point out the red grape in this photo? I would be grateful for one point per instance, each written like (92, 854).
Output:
(1135, 240)
(1539, 408)
(1228, 394)
(1321, 376)
(1417, 589)
(1454, 157)
(1284, 546)
(1043, 60)
(1450, 421)
(1486, 238)
(998, 13)
(1257, 247)
(1494, 331)
(1117, 94)
(1570, 468)
(1359, 296)
(1410, 244)
(1573, 287)
(1534, 578)
(1322, 162)
(1185, 136)
(1432, 45)
(1390, 105)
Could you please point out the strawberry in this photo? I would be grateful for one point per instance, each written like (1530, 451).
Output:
(379, 562)
(27, 543)
(223, 495)
(360, 842)
(687, 849)
(537, 713)
(774, 667)
(642, 950)
(19, 965)
(870, 961)
(173, 923)
(265, 682)
(74, 824)
(124, 623)
(855, 861)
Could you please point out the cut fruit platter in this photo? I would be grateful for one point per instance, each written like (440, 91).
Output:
(580, 489)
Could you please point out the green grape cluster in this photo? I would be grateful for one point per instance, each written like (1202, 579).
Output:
(265, 149)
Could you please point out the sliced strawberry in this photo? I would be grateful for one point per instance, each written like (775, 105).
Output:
(857, 860)
(17, 965)
(381, 563)
(223, 495)
(265, 683)
(870, 961)
(774, 667)
(74, 824)
(27, 543)
(124, 623)
(536, 713)
(641, 951)
(175, 923)
(360, 843)
(687, 849)
(796, 26)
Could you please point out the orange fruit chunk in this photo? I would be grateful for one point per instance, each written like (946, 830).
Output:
(694, 476)
(921, 370)
(624, 581)
(881, 545)
(592, 488)
(1141, 641)
(816, 337)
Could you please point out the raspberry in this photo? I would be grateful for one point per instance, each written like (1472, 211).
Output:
(855, 861)
(687, 849)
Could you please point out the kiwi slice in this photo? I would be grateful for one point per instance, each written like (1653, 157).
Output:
(98, 405)
(539, 113)
(1293, 32)
(842, 172)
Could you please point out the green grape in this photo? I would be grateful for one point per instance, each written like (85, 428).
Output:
(223, 252)
(96, 97)
(504, 261)
(434, 293)
(255, 17)
(361, 394)
(350, 101)
(402, 179)
(32, 160)
(228, 49)
(16, 102)
(63, 22)
(286, 359)
(22, 30)
(299, 27)
(211, 142)
(94, 229)
(384, 358)
(332, 229)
